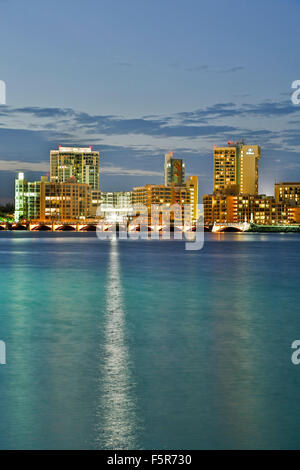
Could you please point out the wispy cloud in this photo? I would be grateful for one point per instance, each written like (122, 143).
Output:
(121, 171)
(238, 68)
(17, 165)
(197, 68)
(125, 64)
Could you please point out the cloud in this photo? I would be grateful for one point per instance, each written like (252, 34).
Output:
(190, 124)
(118, 170)
(233, 69)
(264, 109)
(17, 165)
(197, 68)
(132, 147)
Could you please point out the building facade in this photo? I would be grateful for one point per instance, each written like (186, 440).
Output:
(159, 194)
(48, 201)
(288, 192)
(226, 170)
(174, 170)
(65, 201)
(152, 194)
(236, 169)
(80, 162)
(117, 199)
(116, 205)
(259, 209)
(27, 198)
(193, 187)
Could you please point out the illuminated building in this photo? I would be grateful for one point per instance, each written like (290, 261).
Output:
(236, 169)
(288, 192)
(80, 162)
(117, 199)
(44, 200)
(27, 198)
(248, 172)
(96, 201)
(152, 194)
(192, 185)
(65, 201)
(184, 195)
(226, 169)
(116, 205)
(259, 209)
(174, 170)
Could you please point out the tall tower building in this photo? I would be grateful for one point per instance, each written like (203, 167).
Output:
(249, 157)
(79, 162)
(27, 198)
(192, 185)
(236, 169)
(174, 170)
(226, 169)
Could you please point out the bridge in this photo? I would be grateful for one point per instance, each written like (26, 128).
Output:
(230, 227)
(87, 225)
(61, 226)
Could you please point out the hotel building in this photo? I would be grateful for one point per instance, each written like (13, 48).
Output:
(236, 169)
(236, 199)
(80, 162)
(248, 169)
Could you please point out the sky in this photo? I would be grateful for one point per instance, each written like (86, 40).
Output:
(138, 78)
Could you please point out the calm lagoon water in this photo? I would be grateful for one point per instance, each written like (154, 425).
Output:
(143, 345)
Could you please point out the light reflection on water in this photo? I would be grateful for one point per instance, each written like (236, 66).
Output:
(144, 345)
(117, 418)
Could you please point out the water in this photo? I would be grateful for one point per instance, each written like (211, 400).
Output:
(144, 345)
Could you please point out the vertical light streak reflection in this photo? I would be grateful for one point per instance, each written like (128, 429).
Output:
(116, 415)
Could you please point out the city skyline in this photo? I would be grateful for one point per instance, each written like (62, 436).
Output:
(137, 95)
(71, 191)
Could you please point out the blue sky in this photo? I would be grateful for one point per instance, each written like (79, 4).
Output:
(138, 78)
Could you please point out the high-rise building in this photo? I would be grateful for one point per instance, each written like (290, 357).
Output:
(248, 175)
(174, 170)
(236, 169)
(80, 162)
(192, 185)
(27, 198)
(226, 169)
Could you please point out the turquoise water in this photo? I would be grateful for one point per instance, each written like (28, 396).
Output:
(144, 345)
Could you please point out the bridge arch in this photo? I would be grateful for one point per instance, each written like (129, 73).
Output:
(41, 228)
(229, 229)
(65, 228)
